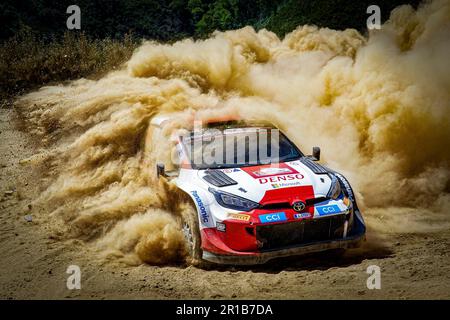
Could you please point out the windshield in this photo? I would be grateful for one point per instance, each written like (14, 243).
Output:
(238, 147)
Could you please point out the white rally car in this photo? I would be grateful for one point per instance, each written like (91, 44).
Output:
(253, 209)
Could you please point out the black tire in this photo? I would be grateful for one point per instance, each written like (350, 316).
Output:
(191, 231)
(336, 253)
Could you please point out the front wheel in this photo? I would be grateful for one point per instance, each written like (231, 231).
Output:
(191, 232)
(336, 253)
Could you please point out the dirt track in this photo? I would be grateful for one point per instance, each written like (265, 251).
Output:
(33, 263)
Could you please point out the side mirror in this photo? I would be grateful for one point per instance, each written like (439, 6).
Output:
(160, 171)
(316, 153)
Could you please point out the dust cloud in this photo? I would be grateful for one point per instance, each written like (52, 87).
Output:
(377, 105)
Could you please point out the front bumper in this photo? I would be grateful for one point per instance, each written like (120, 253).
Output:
(352, 240)
(263, 257)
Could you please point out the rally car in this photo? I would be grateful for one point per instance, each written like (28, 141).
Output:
(251, 209)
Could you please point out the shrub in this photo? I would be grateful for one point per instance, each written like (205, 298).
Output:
(28, 61)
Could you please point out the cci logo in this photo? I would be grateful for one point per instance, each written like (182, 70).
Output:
(325, 210)
(272, 217)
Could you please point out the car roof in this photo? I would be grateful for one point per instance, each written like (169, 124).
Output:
(220, 123)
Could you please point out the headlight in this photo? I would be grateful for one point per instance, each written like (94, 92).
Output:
(335, 189)
(231, 201)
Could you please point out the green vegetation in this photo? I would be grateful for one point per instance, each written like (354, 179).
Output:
(36, 48)
(27, 62)
(168, 20)
(336, 14)
(208, 16)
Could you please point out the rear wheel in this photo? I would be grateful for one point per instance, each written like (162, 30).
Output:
(191, 232)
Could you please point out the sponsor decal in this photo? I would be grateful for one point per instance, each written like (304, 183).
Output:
(203, 212)
(265, 172)
(302, 215)
(269, 170)
(288, 177)
(273, 217)
(231, 170)
(326, 210)
(285, 185)
(239, 216)
(221, 227)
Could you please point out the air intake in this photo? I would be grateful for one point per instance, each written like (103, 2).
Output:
(218, 178)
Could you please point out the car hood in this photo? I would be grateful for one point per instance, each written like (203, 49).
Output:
(265, 184)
